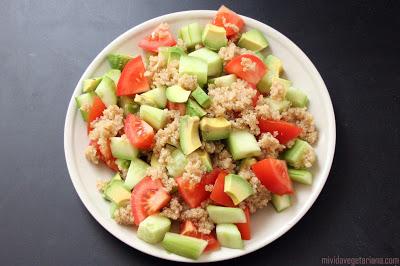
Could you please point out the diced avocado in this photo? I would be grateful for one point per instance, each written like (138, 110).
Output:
(214, 62)
(118, 61)
(139, 99)
(215, 128)
(281, 202)
(214, 37)
(121, 148)
(205, 160)
(191, 35)
(296, 154)
(300, 176)
(189, 134)
(174, 53)
(194, 109)
(193, 66)
(237, 188)
(122, 164)
(156, 118)
(201, 97)
(246, 163)
(128, 105)
(155, 97)
(136, 172)
(281, 82)
(177, 94)
(297, 97)
(177, 163)
(152, 229)
(117, 193)
(228, 235)
(117, 176)
(84, 103)
(106, 91)
(253, 40)
(274, 66)
(280, 106)
(113, 74)
(223, 81)
(226, 215)
(186, 246)
(89, 85)
(243, 144)
(113, 208)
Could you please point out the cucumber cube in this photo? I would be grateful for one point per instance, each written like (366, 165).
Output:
(300, 176)
(136, 172)
(121, 148)
(106, 91)
(214, 62)
(156, 118)
(297, 97)
(193, 66)
(186, 246)
(243, 144)
(228, 235)
(281, 202)
(153, 229)
(226, 215)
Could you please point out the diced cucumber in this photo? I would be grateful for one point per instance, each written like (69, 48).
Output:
(243, 144)
(226, 215)
(156, 118)
(106, 91)
(114, 74)
(152, 229)
(281, 202)
(193, 66)
(195, 32)
(121, 148)
(301, 176)
(177, 94)
(228, 235)
(113, 208)
(174, 53)
(194, 109)
(185, 36)
(260, 55)
(84, 102)
(185, 246)
(89, 85)
(123, 164)
(214, 62)
(177, 164)
(136, 172)
(128, 105)
(223, 81)
(295, 155)
(297, 97)
(201, 97)
(155, 97)
(118, 61)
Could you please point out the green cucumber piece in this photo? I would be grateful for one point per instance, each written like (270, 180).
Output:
(176, 165)
(152, 229)
(174, 53)
(228, 235)
(106, 91)
(194, 109)
(223, 81)
(118, 61)
(84, 102)
(156, 118)
(193, 66)
(128, 105)
(300, 176)
(155, 97)
(281, 202)
(242, 144)
(274, 66)
(226, 215)
(114, 74)
(214, 62)
(201, 97)
(237, 188)
(136, 172)
(123, 164)
(113, 208)
(121, 148)
(195, 32)
(185, 246)
(297, 97)
(177, 94)
(89, 85)
(294, 156)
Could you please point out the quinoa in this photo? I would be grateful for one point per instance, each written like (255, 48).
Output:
(212, 147)
(169, 134)
(123, 215)
(91, 154)
(173, 210)
(248, 120)
(101, 184)
(247, 64)
(266, 111)
(200, 218)
(167, 76)
(156, 63)
(160, 172)
(209, 187)
(181, 44)
(224, 160)
(188, 82)
(278, 91)
(198, 46)
(229, 52)
(164, 157)
(194, 169)
(270, 146)
(260, 197)
(304, 120)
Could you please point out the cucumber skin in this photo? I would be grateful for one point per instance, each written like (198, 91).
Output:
(300, 176)
(295, 154)
(228, 235)
(118, 61)
(153, 229)
(184, 246)
(226, 215)
(281, 202)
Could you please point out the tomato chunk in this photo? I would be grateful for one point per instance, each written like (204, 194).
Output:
(95, 111)
(218, 195)
(273, 174)
(228, 19)
(286, 131)
(195, 194)
(132, 78)
(244, 228)
(148, 197)
(248, 67)
(255, 98)
(187, 228)
(105, 155)
(160, 37)
(139, 133)
(181, 107)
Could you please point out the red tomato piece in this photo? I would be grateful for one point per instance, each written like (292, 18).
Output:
(286, 131)
(218, 195)
(181, 107)
(105, 155)
(226, 18)
(148, 197)
(250, 75)
(160, 37)
(244, 228)
(195, 194)
(189, 229)
(255, 98)
(132, 80)
(139, 133)
(95, 111)
(273, 174)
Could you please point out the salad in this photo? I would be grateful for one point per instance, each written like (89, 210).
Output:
(202, 131)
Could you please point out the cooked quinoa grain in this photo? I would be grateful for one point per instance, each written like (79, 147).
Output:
(123, 215)
(266, 111)
(224, 160)
(200, 218)
(188, 82)
(304, 120)
(91, 154)
(194, 169)
(278, 91)
(247, 64)
(101, 184)
(270, 146)
(173, 210)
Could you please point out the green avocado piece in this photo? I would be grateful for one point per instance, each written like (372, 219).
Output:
(155, 97)
(223, 81)
(156, 118)
(214, 62)
(214, 37)
(113, 208)
(136, 172)
(117, 193)
(106, 91)
(128, 105)
(121, 148)
(260, 55)
(193, 66)
(153, 229)
(274, 66)
(194, 109)
(89, 85)
(205, 160)
(243, 144)
(278, 105)
(253, 40)
(237, 188)
(215, 128)
(177, 94)
(201, 97)
(297, 97)
(114, 74)
(176, 165)
(229, 236)
(189, 134)
(118, 61)
(84, 103)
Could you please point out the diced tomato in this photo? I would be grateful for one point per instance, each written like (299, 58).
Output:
(95, 111)
(255, 98)
(132, 80)
(226, 17)
(286, 131)
(160, 37)
(218, 195)
(105, 155)
(148, 197)
(139, 133)
(252, 76)
(273, 174)
(189, 229)
(181, 107)
(195, 194)
(244, 228)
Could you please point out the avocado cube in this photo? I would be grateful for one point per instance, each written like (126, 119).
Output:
(117, 193)
(274, 66)
(177, 94)
(214, 37)
(189, 134)
(237, 188)
(89, 85)
(253, 40)
(215, 128)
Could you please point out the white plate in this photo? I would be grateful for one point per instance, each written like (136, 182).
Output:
(267, 225)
